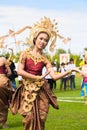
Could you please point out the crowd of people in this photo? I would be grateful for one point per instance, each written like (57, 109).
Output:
(33, 97)
(67, 81)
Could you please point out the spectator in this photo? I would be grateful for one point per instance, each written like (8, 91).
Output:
(63, 80)
(55, 69)
(14, 73)
(72, 76)
(48, 77)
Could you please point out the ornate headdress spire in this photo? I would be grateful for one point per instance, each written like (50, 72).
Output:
(45, 25)
(85, 56)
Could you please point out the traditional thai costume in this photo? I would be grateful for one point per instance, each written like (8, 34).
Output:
(5, 94)
(84, 82)
(32, 98)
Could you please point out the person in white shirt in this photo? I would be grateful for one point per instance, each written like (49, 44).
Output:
(48, 77)
(55, 69)
(63, 81)
(72, 76)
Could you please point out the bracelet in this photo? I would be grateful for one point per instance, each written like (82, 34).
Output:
(69, 71)
(37, 78)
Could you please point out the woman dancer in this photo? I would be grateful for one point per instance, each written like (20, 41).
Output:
(33, 98)
(84, 80)
(5, 90)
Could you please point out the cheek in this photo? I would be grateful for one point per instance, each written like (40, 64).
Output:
(45, 44)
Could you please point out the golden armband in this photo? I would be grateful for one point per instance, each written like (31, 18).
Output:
(57, 72)
(37, 78)
(69, 71)
(7, 65)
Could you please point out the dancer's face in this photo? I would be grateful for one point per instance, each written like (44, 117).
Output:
(41, 41)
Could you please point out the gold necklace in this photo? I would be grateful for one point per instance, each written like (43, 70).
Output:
(36, 58)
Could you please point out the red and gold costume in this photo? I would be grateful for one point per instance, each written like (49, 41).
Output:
(33, 97)
(5, 93)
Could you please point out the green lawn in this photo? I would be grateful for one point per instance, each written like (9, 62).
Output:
(72, 113)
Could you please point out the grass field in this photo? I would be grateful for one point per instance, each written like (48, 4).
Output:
(72, 113)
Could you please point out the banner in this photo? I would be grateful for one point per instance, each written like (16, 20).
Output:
(64, 58)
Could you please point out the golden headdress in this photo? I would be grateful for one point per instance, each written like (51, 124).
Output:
(45, 25)
(85, 56)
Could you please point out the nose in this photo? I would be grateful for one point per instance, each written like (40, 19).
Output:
(42, 41)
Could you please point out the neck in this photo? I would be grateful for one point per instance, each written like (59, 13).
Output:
(36, 51)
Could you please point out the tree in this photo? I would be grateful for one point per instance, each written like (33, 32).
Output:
(85, 49)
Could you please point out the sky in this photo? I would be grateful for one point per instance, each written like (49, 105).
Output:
(71, 16)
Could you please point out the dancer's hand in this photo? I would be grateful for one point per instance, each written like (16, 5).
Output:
(43, 76)
(76, 69)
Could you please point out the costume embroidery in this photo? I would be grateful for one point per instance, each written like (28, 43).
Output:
(30, 93)
(35, 58)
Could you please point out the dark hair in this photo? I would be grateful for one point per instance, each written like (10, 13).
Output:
(62, 63)
(71, 59)
(34, 40)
